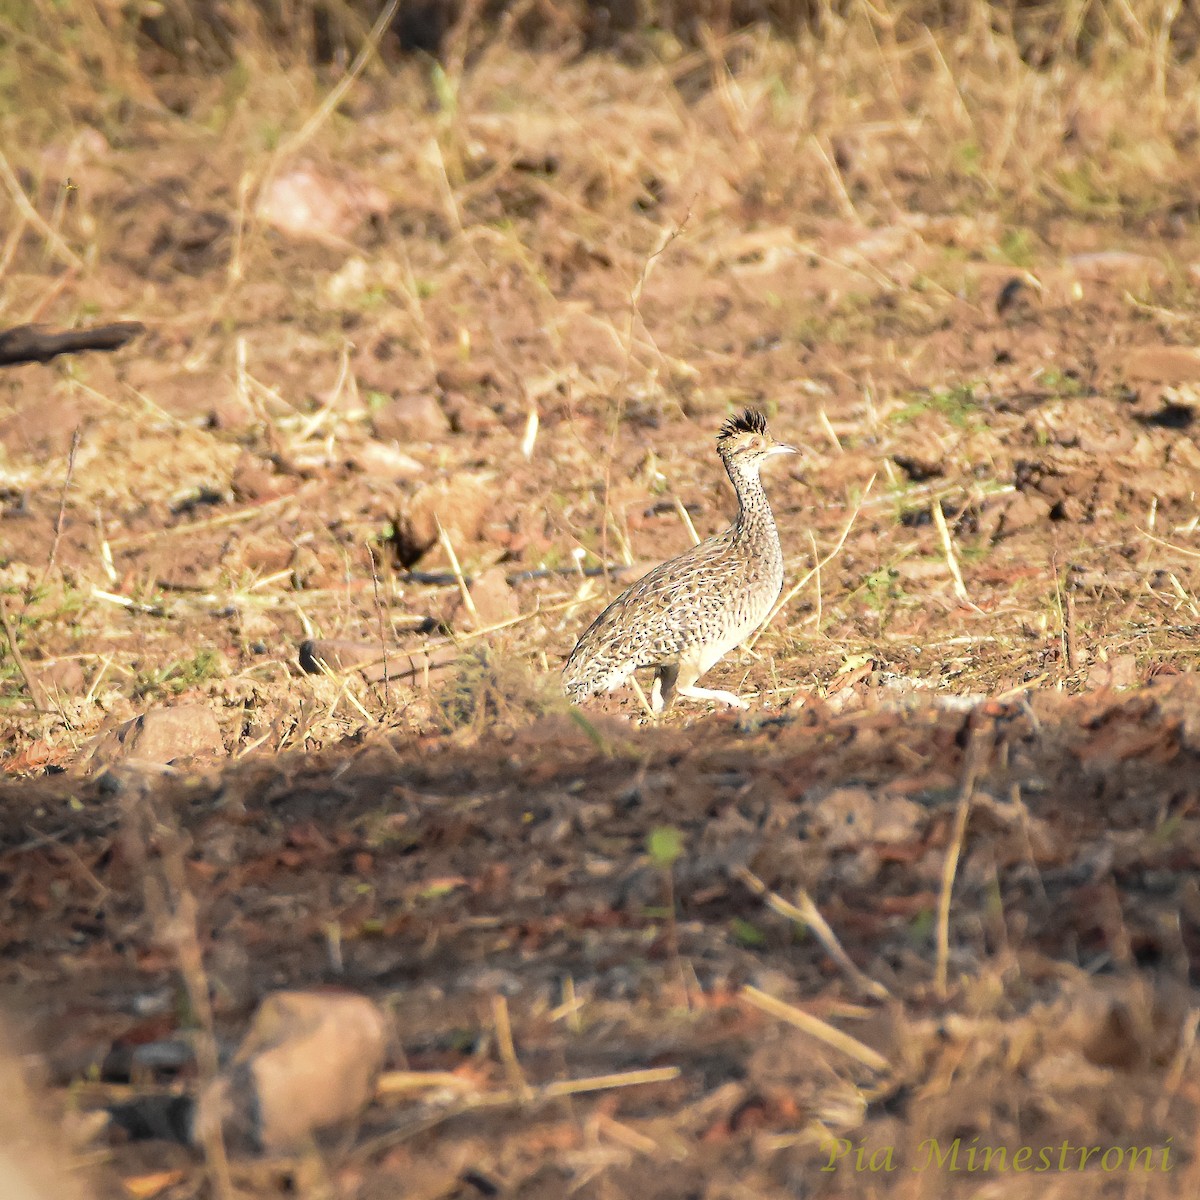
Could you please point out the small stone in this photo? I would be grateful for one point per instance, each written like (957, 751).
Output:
(494, 600)
(254, 478)
(844, 818)
(385, 460)
(308, 1061)
(1162, 364)
(312, 204)
(417, 417)
(1118, 672)
(896, 820)
(162, 736)
(462, 504)
(1116, 264)
(60, 676)
(1022, 511)
(467, 415)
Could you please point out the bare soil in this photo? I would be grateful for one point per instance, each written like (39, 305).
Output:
(427, 423)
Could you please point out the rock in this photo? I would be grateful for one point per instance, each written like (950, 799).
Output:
(385, 460)
(1112, 265)
(308, 1061)
(1161, 364)
(308, 203)
(254, 478)
(895, 820)
(467, 415)
(1067, 1070)
(461, 503)
(494, 600)
(162, 736)
(849, 817)
(1118, 672)
(1019, 511)
(417, 417)
(844, 818)
(60, 676)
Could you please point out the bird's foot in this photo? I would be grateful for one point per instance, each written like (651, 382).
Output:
(699, 693)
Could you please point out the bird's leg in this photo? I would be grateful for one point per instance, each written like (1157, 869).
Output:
(686, 687)
(663, 690)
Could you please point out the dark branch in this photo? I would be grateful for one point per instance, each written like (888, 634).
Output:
(31, 343)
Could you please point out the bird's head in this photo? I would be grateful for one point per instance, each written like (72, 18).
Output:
(745, 442)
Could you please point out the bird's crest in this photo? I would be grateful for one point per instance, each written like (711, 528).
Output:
(751, 421)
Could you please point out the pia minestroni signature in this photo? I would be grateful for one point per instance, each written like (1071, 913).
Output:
(975, 1157)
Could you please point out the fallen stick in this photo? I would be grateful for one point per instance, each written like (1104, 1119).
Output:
(31, 343)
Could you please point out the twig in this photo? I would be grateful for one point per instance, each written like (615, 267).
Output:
(1168, 545)
(383, 641)
(807, 914)
(639, 691)
(604, 1083)
(174, 913)
(686, 518)
(819, 614)
(1069, 633)
(1065, 619)
(830, 432)
(343, 690)
(666, 237)
(404, 1083)
(529, 440)
(314, 422)
(442, 578)
(939, 520)
(233, 518)
(1178, 1069)
(837, 181)
(329, 105)
(62, 506)
(508, 1052)
(972, 765)
(31, 214)
(463, 590)
(28, 343)
(815, 1027)
(401, 1083)
(36, 693)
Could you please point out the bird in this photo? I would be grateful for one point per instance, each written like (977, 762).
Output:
(688, 612)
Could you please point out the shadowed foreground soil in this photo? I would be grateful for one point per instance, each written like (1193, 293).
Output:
(447, 880)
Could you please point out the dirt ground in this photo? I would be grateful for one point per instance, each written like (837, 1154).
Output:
(434, 365)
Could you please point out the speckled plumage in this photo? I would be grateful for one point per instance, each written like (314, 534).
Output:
(690, 611)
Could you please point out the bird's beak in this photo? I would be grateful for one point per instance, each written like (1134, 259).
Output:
(781, 448)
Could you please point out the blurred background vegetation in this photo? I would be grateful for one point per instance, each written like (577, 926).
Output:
(57, 40)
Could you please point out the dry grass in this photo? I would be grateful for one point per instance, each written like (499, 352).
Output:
(580, 242)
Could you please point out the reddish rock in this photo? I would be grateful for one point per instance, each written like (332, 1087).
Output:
(1161, 364)
(308, 1061)
(417, 417)
(461, 503)
(495, 602)
(162, 736)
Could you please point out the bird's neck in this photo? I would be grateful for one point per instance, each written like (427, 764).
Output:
(754, 517)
